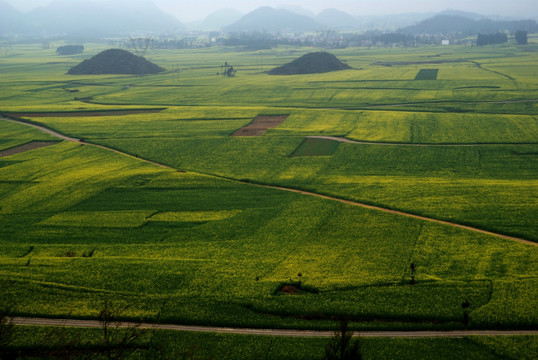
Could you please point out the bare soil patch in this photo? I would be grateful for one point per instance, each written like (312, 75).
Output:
(27, 147)
(260, 125)
(86, 113)
(289, 289)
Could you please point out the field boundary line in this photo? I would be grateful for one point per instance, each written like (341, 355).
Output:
(32, 321)
(384, 143)
(303, 192)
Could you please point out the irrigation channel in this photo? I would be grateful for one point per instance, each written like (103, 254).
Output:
(349, 202)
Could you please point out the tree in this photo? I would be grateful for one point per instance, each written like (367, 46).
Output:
(413, 268)
(342, 346)
(521, 37)
(490, 39)
(7, 329)
(70, 49)
(465, 306)
(118, 342)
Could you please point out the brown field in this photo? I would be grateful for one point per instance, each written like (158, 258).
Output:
(260, 124)
(86, 113)
(27, 147)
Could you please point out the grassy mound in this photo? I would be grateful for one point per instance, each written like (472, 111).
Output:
(313, 63)
(115, 61)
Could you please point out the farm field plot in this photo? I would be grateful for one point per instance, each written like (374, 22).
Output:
(427, 74)
(491, 186)
(217, 251)
(203, 242)
(316, 147)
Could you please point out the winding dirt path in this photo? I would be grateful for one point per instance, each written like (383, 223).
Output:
(82, 142)
(354, 203)
(270, 332)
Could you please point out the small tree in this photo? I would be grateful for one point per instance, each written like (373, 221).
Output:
(521, 37)
(465, 306)
(342, 346)
(413, 268)
(118, 343)
(228, 71)
(7, 330)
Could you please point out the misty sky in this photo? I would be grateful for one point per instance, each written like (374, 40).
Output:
(192, 10)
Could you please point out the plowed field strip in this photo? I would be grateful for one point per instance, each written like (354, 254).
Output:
(27, 147)
(87, 113)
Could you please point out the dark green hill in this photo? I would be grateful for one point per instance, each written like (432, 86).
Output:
(313, 63)
(115, 61)
(452, 24)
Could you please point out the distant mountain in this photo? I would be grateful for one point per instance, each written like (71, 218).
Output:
(337, 20)
(390, 22)
(219, 19)
(443, 24)
(11, 20)
(274, 20)
(469, 15)
(102, 18)
(297, 9)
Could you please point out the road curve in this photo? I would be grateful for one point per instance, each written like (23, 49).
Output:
(371, 207)
(269, 332)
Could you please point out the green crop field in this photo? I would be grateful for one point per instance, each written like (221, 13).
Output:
(316, 147)
(427, 74)
(204, 241)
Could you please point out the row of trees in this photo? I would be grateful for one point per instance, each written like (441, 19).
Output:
(490, 39)
(70, 49)
(521, 37)
(501, 38)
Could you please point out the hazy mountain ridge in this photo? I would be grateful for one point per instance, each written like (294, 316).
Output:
(274, 20)
(442, 24)
(336, 19)
(96, 19)
(11, 20)
(89, 18)
(217, 20)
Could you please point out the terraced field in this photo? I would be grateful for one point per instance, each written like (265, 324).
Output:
(207, 245)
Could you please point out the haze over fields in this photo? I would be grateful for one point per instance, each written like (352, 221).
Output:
(193, 11)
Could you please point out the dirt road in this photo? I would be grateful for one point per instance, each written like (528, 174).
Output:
(271, 332)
